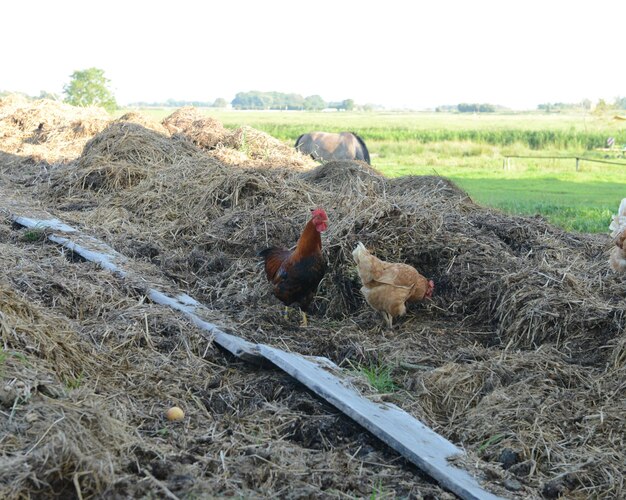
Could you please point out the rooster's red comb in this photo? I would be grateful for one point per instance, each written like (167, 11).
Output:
(319, 212)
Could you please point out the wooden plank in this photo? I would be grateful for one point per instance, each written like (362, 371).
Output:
(401, 431)
(235, 345)
(398, 429)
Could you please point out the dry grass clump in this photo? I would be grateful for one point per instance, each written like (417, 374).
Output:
(85, 370)
(204, 131)
(346, 178)
(132, 143)
(11, 102)
(44, 421)
(25, 328)
(59, 443)
(424, 185)
(211, 189)
(120, 157)
(556, 425)
(263, 150)
(144, 121)
(42, 116)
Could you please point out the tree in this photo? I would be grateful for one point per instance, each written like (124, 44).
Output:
(620, 102)
(220, 102)
(486, 108)
(347, 104)
(602, 107)
(44, 94)
(465, 107)
(267, 100)
(89, 87)
(314, 103)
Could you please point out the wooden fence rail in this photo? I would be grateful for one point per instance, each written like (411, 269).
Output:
(506, 162)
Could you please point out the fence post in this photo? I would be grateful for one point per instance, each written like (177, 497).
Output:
(577, 159)
(504, 163)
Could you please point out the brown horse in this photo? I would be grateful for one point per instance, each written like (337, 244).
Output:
(326, 146)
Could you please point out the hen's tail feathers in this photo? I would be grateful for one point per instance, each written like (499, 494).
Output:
(618, 224)
(617, 260)
(359, 251)
(430, 289)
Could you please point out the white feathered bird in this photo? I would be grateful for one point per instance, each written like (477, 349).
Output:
(617, 260)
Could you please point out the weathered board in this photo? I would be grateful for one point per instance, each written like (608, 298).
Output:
(404, 433)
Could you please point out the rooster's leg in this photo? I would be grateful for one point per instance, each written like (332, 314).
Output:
(305, 323)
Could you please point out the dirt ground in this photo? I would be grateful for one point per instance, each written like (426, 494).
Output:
(519, 358)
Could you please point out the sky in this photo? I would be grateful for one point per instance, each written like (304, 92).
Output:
(396, 53)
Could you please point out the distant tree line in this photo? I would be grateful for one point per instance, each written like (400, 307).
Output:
(220, 102)
(564, 106)
(264, 100)
(601, 105)
(468, 108)
(476, 108)
(279, 100)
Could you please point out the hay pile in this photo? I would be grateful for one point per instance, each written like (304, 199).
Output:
(89, 367)
(244, 146)
(528, 282)
(121, 156)
(249, 147)
(537, 414)
(46, 130)
(519, 357)
(144, 121)
(205, 132)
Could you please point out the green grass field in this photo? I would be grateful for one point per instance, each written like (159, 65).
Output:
(469, 149)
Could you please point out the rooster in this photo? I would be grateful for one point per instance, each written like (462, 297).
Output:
(387, 286)
(617, 260)
(295, 275)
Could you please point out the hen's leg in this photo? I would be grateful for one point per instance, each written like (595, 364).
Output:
(388, 319)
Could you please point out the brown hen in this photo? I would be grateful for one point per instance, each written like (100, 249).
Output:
(388, 286)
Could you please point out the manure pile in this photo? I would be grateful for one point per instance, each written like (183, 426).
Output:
(520, 357)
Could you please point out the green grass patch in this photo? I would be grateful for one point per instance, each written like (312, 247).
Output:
(74, 382)
(33, 235)
(535, 130)
(380, 377)
(4, 355)
(490, 442)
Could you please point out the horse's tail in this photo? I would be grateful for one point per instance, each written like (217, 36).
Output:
(366, 153)
(298, 141)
